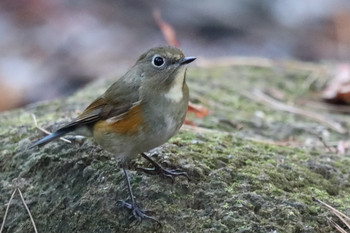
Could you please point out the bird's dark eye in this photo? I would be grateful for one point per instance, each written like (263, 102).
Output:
(158, 61)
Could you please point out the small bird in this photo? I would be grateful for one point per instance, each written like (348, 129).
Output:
(140, 111)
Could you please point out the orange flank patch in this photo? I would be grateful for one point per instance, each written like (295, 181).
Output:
(130, 123)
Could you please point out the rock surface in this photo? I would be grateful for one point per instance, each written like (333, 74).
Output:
(237, 184)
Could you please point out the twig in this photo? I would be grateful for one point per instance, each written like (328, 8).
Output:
(7, 209)
(46, 131)
(342, 219)
(326, 106)
(336, 226)
(30, 215)
(339, 214)
(260, 97)
(329, 148)
(168, 31)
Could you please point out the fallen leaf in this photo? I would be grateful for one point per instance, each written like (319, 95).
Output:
(199, 110)
(188, 122)
(338, 89)
(167, 30)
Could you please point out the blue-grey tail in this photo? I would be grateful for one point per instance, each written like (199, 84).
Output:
(57, 134)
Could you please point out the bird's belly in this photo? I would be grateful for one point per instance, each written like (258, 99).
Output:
(166, 123)
(162, 133)
(153, 132)
(126, 147)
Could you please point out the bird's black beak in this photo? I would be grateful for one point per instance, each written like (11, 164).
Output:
(187, 60)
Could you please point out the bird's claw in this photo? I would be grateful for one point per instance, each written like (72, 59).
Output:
(167, 173)
(137, 212)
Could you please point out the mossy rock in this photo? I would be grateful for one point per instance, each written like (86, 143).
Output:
(237, 184)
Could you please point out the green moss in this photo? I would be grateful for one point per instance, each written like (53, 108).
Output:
(237, 185)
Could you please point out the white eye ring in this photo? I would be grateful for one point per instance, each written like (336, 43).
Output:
(158, 61)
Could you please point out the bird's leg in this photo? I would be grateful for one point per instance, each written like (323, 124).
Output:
(158, 169)
(137, 211)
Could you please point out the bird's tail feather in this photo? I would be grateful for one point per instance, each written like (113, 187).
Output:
(57, 134)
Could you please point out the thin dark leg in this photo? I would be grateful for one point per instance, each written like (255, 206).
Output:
(158, 169)
(137, 211)
(129, 186)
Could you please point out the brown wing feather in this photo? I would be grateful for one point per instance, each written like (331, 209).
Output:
(99, 110)
(129, 123)
(116, 103)
(119, 98)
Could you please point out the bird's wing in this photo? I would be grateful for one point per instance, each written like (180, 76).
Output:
(100, 109)
(115, 103)
(118, 99)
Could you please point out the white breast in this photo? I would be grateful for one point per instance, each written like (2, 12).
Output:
(175, 93)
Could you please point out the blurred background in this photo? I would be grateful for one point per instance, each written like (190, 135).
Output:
(50, 48)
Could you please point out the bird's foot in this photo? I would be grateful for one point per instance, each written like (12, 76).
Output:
(158, 169)
(137, 212)
(167, 173)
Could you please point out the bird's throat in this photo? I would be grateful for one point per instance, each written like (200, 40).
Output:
(175, 93)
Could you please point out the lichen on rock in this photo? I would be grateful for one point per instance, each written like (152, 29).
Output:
(237, 185)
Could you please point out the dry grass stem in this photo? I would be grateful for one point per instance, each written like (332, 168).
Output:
(7, 210)
(30, 215)
(168, 31)
(260, 97)
(45, 131)
(345, 219)
(336, 226)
